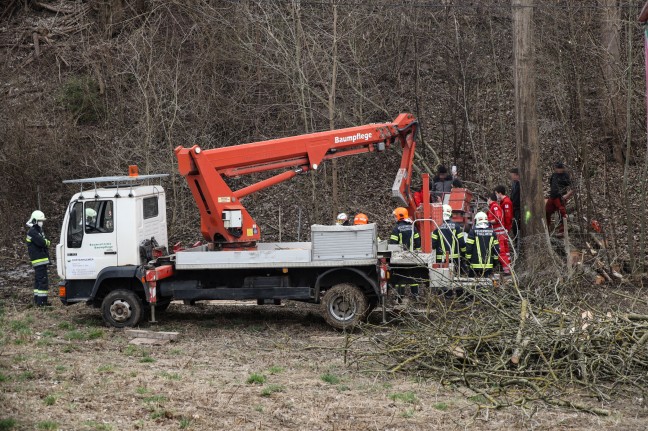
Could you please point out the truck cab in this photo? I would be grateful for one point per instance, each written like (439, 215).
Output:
(107, 234)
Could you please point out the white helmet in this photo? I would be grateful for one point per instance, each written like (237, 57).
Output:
(90, 213)
(37, 216)
(447, 212)
(342, 218)
(481, 218)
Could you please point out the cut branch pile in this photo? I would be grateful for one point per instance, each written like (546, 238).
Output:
(514, 348)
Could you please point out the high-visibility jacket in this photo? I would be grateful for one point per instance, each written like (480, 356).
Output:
(405, 233)
(482, 248)
(37, 246)
(495, 215)
(448, 240)
(507, 213)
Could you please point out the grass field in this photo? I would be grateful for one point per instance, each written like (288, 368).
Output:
(233, 367)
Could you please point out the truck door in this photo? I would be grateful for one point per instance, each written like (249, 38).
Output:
(91, 243)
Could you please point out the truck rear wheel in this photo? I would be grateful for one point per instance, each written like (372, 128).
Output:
(344, 306)
(121, 308)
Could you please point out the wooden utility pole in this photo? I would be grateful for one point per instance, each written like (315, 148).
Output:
(526, 121)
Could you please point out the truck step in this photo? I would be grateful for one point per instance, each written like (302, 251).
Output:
(245, 293)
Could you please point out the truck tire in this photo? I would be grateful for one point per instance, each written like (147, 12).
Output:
(344, 306)
(122, 308)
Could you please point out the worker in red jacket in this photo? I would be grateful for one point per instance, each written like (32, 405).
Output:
(507, 207)
(496, 219)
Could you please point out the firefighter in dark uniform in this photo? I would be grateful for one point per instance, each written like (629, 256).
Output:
(448, 240)
(482, 247)
(406, 235)
(37, 246)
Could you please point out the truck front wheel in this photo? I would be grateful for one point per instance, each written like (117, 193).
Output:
(344, 306)
(121, 308)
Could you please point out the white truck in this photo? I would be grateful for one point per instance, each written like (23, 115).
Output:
(114, 254)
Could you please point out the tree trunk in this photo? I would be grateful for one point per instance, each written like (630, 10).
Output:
(331, 112)
(610, 65)
(526, 122)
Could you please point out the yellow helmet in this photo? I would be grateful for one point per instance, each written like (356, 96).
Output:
(360, 218)
(401, 213)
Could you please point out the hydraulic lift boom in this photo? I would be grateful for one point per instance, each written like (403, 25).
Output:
(225, 221)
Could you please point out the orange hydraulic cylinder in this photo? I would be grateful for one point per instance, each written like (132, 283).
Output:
(268, 182)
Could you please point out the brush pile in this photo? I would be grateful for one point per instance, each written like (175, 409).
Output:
(512, 347)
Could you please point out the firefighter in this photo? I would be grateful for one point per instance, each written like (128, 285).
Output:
(91, 216)
(37, 247)
(342, 219)
(505, 231)
(448, 240)
(406, 235)
(559, 183)
(360, 218)
(482, 247)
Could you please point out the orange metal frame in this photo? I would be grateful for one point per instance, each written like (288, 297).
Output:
(205, 170)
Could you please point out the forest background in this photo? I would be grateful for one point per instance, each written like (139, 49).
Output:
(89, 88)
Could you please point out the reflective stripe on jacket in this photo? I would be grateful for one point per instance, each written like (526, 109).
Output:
(404, 233)
(482, 248)
(37, 246)
(448, 239)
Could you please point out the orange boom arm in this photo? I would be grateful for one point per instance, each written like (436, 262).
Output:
(225, 220)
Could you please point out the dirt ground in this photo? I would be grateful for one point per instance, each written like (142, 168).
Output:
(233, 367)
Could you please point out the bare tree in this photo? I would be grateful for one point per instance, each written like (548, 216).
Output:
(610, 66)
(526, 123)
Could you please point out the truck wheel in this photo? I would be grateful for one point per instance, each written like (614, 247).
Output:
(344, 306)
(121, 308)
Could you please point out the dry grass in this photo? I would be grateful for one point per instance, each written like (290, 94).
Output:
(51, 380)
